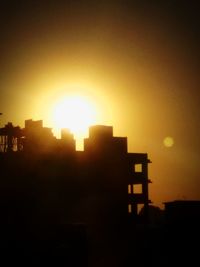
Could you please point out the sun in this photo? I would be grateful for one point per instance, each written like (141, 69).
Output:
(76, 113)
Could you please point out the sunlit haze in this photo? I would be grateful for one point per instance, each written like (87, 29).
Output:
(133, 65)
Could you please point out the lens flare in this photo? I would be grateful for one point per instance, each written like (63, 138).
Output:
(168, 141)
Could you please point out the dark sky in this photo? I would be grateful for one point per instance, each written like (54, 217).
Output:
(142, 56)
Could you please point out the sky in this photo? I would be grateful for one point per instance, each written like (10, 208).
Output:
(137, 61)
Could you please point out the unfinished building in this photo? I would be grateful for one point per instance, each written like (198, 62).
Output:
(105, 161)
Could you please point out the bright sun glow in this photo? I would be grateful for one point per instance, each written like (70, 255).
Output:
(75, 113)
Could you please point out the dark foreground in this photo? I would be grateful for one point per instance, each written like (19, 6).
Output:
(70, 245)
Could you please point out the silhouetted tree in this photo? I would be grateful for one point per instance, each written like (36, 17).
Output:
(155, 215)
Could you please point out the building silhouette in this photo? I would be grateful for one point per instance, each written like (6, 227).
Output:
(46, 182)
(183, 213)
(126, 173)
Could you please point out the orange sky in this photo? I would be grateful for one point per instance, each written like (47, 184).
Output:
(138, 63)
